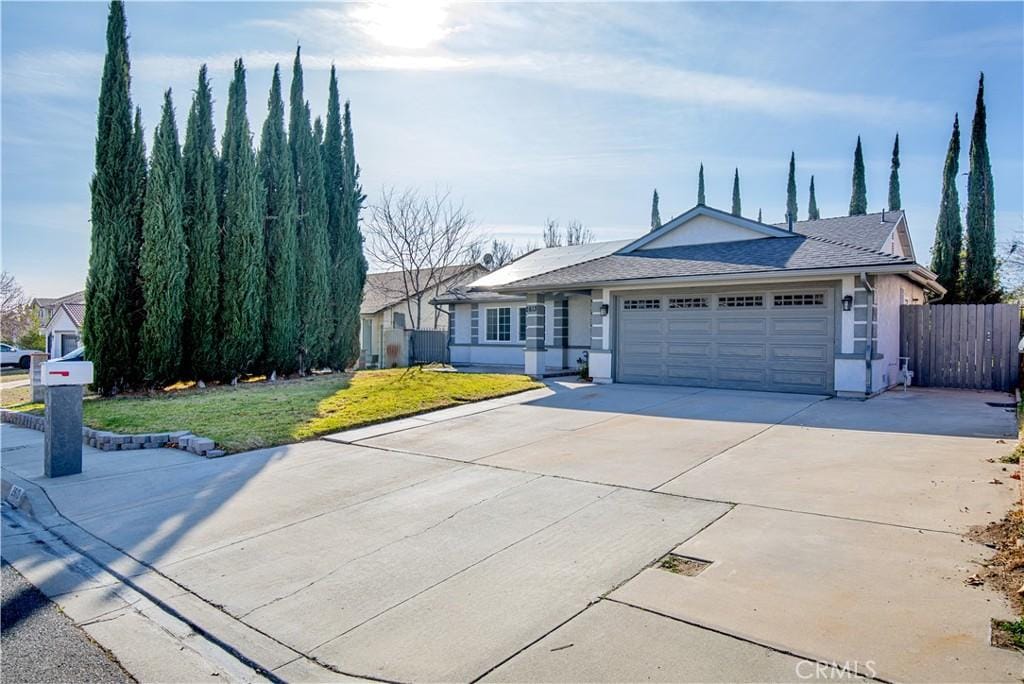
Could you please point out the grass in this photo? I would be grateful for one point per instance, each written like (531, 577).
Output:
(254, 415)
(1012, 632)
(9, 374)
(1013, 456)
(14, 396)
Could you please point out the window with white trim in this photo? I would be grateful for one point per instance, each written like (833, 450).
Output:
(522, 323)
(688, 303)
(740, 301)
(498, 326)
(631, 304)
(800, 299)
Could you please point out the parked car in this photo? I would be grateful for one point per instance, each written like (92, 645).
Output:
(13, 356)
(77, 354)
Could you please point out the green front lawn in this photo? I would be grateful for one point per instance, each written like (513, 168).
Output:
(261, 414)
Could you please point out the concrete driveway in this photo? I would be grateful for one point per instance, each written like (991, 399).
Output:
(519, 539)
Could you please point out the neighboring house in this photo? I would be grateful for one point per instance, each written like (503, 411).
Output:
(707, 300)
(388, 303)
(45, 307)
(62, 322)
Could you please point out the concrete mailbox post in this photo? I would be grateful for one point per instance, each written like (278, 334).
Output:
(64, 381)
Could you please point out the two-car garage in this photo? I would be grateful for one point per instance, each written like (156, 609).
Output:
(763, 339)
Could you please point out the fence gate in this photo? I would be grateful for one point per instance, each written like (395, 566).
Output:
(970, 346)
(428, 346)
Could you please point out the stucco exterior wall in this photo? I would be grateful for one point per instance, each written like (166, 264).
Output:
(489, 352)
(891, 292)
(58, 325)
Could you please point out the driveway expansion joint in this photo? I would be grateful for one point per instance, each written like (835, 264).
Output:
(739, 637)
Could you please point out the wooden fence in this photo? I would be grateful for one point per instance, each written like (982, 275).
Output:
(970, 346)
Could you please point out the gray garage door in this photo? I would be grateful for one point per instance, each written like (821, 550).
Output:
(777, 340)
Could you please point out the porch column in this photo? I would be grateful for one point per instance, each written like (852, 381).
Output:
(560, 329)
(600, 326)
(535, 349)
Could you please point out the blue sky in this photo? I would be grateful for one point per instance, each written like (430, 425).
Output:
(528, 111)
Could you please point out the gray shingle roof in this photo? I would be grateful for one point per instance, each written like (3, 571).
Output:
(867, 231)
(764, 255)
(385, 289)
(461, 295)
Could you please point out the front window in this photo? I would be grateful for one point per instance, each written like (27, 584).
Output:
(499, 324)
(522, 323)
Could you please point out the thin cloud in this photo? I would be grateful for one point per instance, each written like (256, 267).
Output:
(598, 73)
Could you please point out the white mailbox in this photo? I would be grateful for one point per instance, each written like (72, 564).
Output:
(66, 373)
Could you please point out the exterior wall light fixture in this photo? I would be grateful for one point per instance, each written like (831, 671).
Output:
(848, 303)
(604, 309)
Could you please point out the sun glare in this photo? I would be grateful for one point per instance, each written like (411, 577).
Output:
(411, 25)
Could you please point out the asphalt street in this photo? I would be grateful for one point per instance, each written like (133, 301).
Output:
(38, 643)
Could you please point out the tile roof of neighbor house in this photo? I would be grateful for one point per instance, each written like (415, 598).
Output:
(388, 288)
(766, 255)
(76, 311)
(868, 230)
(76, 297)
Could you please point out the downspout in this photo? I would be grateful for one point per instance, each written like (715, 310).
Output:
(869, 350)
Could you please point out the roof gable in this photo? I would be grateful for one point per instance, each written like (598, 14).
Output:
(704, 225)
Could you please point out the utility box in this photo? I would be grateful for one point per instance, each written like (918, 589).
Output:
(62, 443)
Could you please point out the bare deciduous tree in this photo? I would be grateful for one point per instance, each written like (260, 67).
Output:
(552, 233)
(15, 313)
(575, 234)
(424, 237)
(503, 253)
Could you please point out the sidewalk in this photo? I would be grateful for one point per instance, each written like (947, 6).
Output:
(121, 605)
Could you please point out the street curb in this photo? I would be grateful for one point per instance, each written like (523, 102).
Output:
(166, 601)
(238, 650)
(116, 441)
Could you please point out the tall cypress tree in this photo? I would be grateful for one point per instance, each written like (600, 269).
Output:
(318, 132)
(333, 154)
(111, 327)
(980, 263)
(313, 278)
(791, 207)
(948, 228)
(354, 265)
(759, 215)
(736, 207)
(859, 197)
(655, 212)
(812, 204)
(895, 202)
(243, 267)
(163, 263)
(201, 356)
(700, 185)
(139, 165)
(281, 233)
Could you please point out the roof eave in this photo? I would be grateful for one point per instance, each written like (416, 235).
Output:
(722, 277)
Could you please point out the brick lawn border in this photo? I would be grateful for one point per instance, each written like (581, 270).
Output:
(114, 441)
